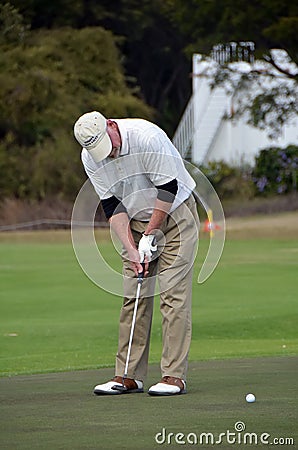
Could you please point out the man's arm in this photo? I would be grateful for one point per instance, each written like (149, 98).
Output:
(117, 216)
(160, 212)
(120, 224)
(165, 197)
(119, 221)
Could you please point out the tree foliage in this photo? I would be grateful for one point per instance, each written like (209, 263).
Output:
(60, 58)
(13, 28)
(151, 45)
(267, 97)
(158, 37)
(264, 91)
(262, 21)
(47, 83)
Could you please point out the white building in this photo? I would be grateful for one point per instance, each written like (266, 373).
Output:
(206, 131)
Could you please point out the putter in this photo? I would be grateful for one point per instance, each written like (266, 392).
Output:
(123, 388)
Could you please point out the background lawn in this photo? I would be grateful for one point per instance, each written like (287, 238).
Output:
(245, 339)
(53, 318)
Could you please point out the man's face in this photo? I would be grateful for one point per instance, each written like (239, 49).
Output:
(113, 132)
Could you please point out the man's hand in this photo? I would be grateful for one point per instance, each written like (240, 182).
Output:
(134, 258)
(147, 246)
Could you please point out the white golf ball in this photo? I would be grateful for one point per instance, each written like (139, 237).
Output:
(250, 398)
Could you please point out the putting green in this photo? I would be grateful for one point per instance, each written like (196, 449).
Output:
(59, 411)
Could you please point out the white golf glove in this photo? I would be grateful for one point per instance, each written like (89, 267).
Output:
(147, 246)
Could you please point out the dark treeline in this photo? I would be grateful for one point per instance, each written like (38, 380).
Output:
(158, 37)
(61, 58)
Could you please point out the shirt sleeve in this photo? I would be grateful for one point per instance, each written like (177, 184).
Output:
(112, 206)
(93, 173)
(159, 158)
(167, 192)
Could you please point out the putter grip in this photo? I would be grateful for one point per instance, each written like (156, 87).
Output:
(141, 274)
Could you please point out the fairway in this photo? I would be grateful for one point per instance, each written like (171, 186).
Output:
(58, 337)
(53, 318)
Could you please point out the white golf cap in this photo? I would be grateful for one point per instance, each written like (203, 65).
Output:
(90, 131)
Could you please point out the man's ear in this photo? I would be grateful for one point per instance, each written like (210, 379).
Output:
(111, 123)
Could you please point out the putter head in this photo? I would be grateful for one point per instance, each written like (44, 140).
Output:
(120, 388)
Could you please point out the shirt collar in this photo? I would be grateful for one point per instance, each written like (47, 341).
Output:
(124, 137)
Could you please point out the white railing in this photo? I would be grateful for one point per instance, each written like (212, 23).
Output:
(233, 51)
(183, 136)
(206, 109)
(210, 116)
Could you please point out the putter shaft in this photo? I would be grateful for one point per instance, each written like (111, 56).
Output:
(133, 322)
(140, 280)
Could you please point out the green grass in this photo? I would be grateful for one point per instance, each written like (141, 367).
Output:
(249, 307)
(58, 410)
(53, 318)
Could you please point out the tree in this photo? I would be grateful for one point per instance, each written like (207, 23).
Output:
(268, 23)
(47, 82)
(13, 28)
(264, 91)
(151, 46)
(157, 38)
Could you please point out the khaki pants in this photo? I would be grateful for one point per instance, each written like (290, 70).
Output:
(174, 269)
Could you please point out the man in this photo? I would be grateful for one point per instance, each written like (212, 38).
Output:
(146, 194)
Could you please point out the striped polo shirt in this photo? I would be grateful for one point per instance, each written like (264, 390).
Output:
(147, 159)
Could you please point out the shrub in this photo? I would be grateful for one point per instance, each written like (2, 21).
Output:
(275, 171)
(229, 181)
(47, 82)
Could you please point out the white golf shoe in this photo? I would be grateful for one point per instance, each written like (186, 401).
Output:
(168, 386)
(110, 388)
